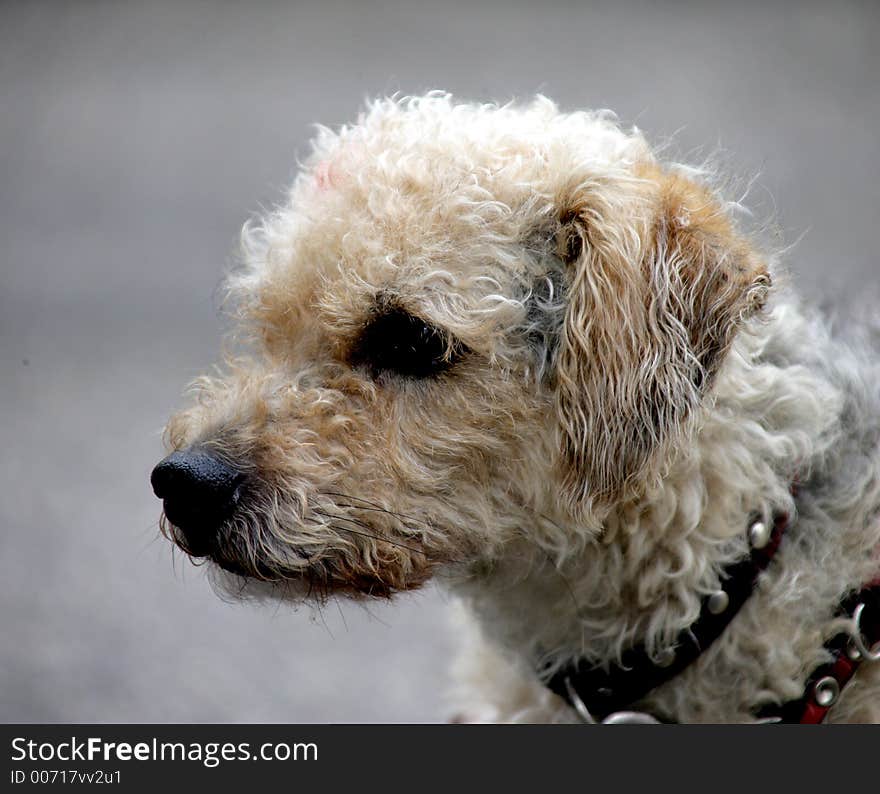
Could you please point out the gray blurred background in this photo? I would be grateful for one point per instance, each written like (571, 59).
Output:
(136, 137)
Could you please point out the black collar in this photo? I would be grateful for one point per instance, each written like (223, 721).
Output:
(601, 691)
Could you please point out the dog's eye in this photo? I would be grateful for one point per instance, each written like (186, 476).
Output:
(399, 343)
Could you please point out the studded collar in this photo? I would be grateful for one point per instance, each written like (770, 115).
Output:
(597, 692)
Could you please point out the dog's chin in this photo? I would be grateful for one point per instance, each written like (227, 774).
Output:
(236, 573)
(236, 581)
(233, 582)
(257, 572)
(254, 580)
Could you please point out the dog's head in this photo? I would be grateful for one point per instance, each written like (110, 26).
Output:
(469, 323)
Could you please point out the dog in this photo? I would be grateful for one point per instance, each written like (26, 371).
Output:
(510, 349)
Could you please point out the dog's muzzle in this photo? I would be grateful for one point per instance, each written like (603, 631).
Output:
(200, 494)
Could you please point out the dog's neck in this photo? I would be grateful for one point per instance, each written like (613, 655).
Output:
(641, 580)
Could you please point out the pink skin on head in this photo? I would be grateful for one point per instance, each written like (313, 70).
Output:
(337, 169)
(324, 176)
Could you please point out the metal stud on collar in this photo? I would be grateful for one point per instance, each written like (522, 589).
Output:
(759, 534)
(718, 602)
(826, 691)
(852, 651)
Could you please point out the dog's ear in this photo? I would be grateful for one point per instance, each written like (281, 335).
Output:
(658, 281)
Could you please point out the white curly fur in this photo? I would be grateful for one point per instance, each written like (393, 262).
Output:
(633, 392)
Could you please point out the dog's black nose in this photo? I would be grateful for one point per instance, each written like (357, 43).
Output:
(200, 493)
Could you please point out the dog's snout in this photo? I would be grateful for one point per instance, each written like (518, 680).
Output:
(200, 493)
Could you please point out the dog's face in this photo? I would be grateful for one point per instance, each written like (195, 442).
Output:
(468, 324)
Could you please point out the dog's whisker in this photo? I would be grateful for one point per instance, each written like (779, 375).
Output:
(375, 506)
(366, 534)
(320, 610)
(400, 517)
(341, 613)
